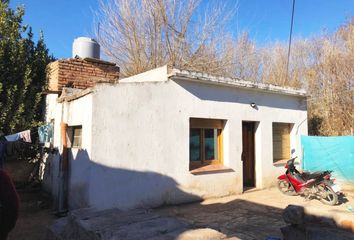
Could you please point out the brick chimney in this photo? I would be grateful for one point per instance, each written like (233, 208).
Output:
(80, 73)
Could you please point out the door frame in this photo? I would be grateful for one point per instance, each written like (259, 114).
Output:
(253, 125)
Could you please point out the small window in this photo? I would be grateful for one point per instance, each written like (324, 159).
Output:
(76, 136)
(281, 141)
(205, 142)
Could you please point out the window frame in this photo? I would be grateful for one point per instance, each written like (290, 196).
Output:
(73, 137)
(202, 124)
(289, 127)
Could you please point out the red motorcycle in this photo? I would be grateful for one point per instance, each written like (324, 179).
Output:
(317, 184)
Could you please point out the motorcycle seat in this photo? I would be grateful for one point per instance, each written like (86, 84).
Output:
(298, 177)
(307, 175)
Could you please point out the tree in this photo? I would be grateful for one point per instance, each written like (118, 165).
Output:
(22, 72)
(245, 59)
(143, 34)
(323, 65)
(140, 35)
(330, 81)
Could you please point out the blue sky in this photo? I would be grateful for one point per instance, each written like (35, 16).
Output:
(266, 20)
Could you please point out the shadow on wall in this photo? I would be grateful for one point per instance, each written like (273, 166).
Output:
(229, 94)
(95, 185)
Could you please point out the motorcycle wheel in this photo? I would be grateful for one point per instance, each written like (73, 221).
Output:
(286, 188)
(327, 195)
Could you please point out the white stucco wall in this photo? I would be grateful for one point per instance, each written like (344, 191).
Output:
(51, 170)
(155, 75)
(135, 140)
(79, 113)
(74, 113)
(140, 147)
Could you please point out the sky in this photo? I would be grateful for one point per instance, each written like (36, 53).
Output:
(266, 21)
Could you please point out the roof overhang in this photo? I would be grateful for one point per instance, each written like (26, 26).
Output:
(71, 94)
(177, 74)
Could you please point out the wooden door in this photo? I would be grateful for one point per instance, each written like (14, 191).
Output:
(248, 154)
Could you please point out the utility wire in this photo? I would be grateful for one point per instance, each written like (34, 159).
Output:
(290, 35)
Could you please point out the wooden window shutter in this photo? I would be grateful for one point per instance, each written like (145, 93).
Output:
(281, 141)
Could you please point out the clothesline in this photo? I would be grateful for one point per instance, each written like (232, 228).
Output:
(24, 135)
(45, 135)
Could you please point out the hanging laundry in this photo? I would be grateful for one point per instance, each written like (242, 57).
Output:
(26, 136)
(45, 133)
(13, 137)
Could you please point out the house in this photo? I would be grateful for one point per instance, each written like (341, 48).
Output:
(165, 136)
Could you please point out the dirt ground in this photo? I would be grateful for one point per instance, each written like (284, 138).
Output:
(255, 214)
(35, 216)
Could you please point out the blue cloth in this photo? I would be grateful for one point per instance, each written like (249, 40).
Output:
(45, 133)
(13, 137)
(329, 153)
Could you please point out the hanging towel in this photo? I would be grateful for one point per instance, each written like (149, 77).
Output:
(45, 133)
(26, 136)
(13, 137)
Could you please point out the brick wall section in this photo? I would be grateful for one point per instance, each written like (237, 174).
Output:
(80, 73)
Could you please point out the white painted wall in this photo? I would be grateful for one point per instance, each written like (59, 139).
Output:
(140, 147)
(155, 75)
(135, 150)
(78, 112)
(51, 170)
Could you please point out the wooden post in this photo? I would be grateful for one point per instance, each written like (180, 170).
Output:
(64, 166)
